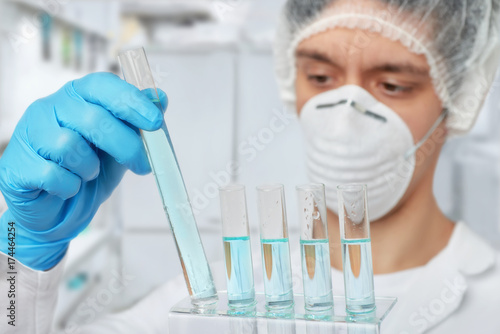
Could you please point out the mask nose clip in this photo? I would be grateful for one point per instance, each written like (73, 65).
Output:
(356, 106)
(367, 112)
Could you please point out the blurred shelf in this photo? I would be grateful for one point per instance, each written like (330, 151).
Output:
(58, 15)
(190, 49)
(175, 11)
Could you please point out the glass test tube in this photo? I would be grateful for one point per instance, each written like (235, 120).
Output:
(237, 250)
(314, 247)
(356, 249)
(275, 249)
(171, 186)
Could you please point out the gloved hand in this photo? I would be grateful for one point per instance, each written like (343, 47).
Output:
(66, 156)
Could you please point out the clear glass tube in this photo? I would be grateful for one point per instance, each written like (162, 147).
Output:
(171, 186)
(275, 247)
(237, 249)
(314, 247)
(356, 248)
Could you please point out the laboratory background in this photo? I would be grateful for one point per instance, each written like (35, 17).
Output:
(214, 60)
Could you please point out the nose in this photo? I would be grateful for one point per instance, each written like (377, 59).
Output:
(353, 72)
(353, 77)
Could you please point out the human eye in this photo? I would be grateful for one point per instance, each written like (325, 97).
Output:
(320, 80)
(395, 90)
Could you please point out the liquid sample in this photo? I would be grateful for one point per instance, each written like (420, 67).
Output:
(278, 283)
(239, 271)
(358, 275)
(316, 274)
(180, 215)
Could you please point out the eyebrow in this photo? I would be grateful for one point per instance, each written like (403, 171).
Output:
(401, 68)
(396, 67)
(315, 55)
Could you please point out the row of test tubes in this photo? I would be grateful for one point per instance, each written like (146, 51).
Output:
(314, 244)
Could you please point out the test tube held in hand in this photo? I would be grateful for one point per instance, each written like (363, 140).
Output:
(237, 249)
(275, 247)
(167, 173)
(356, 249)
(314, 247)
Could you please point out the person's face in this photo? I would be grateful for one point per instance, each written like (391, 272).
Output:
(393, 75)
(390, 72)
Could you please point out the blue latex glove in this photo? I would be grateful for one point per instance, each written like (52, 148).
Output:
(66, 156)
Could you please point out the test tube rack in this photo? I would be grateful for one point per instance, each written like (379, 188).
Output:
(219, 318)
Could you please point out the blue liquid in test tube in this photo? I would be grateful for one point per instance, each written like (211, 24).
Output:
(357, 259)
(316, 274)
(278, 282)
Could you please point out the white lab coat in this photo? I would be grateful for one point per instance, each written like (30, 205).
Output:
(458, 291)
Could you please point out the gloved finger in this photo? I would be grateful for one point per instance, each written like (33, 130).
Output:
(98, 126)
(63, 146)
(37, 173)
(163, 99)
(122, 99)
(164, 103)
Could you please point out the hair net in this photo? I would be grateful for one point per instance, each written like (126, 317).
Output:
(459, 39)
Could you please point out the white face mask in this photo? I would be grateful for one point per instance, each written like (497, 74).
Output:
(353, 138)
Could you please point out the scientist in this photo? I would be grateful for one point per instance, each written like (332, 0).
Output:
(378, 84)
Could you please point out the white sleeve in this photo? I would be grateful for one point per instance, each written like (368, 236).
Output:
(28, 297)
(150, 315)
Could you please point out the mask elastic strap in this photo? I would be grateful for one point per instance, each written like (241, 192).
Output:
(413, 150)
